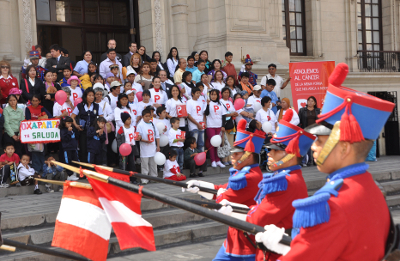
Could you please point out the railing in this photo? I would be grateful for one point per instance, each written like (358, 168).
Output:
(378, 61)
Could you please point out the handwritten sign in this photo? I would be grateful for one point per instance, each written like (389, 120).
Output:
(40, 131)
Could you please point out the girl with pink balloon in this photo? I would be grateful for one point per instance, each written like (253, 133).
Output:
(95, 140)
(63, 106)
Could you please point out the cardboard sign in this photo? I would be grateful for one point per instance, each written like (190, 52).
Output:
(181, 111)
(150, 137)
(309, 79)
(203, 124)
(183, 134)
(135, 136)
(40, 131)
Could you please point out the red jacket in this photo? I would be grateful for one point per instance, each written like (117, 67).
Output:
(272, 208)
(357, 228)
(6, 85)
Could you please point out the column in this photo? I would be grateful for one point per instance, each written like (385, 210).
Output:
(180, 26)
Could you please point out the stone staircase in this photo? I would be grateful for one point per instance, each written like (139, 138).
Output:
(30, 218)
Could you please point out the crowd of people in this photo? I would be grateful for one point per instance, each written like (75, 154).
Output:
(126, 98)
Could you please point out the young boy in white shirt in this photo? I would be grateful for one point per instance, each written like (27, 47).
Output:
(176, 140)
(26, 174)
(149, 145)
(266, 114)
(195, 109)
(255, 97)
(147, 101)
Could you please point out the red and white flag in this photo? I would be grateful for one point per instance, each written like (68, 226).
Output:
(82, 225)
(122, 208)
(122, 177)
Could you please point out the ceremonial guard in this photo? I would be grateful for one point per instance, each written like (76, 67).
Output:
(34, 57)
(347, 219)
(276, 192)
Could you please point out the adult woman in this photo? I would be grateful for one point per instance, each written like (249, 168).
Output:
(172, 61)
(171, 104)
(230, 83)
(157, 56)
(216, 65)
(196, 56)
(218, 81)
(144, 78)
(308, 116)
(7, 81)
(215, 125)
(51, 89)
(12, 120)
(142, 52)
(135, 63)
(285, 103)
(187, 84)
(21, 103)
(157, 94)
(87, 111)
(32, 85)
(230, 112)
(204, 56)
(81, 67)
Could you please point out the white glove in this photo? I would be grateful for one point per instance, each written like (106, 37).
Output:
(226, 210)
(225, 202)
(271, 237)
(199, 183)
(220, 191)
(194, 189)
(26, 63)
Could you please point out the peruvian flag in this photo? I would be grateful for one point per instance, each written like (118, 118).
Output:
(112, 174)
(82, 225)
(123, 211)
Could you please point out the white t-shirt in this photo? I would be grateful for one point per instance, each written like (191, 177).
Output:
(141, 105)
(24, 173)
(188, 90)
(108, 113)
(196, 110)
(77, 93)
(279, 82)
(214, 119)
(170, 107)
(229, 105)
(146, 130)
(135, 112)
(113, 101)
(295, 118)
(218, 85)
(159, 97)
(59, 109)
(129, 135)
(117, 115)
(173, 135)
(166, 123)
(168, 166)
(136, 87)
(263, 116)
(252, 100)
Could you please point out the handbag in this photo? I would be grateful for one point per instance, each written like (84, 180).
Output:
(229, 123)
(224, 150)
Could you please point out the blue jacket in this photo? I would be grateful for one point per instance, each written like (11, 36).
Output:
(94, 141)
(69, 139)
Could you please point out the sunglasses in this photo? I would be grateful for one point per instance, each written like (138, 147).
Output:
(5, 67)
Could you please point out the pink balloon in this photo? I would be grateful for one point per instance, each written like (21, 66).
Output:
(125, 149)
(200, 158)
(230, 99)
(139, 96)
(239, 104)
(61, 97)
(77, 101)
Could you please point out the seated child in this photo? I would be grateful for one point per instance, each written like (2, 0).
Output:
(27, 174)
(176, 140)
(190, 152)
(8, 162)
(171, 168)
(54, 172)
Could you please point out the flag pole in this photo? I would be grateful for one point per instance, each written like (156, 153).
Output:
(70, 183)
(176, 202)
(160, 180)
(213, 205)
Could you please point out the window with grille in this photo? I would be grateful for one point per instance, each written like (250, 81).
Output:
(369, 24)
(293, 26)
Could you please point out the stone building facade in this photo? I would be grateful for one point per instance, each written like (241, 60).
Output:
(362, 33)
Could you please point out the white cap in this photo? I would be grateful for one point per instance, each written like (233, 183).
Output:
(257, 88)
(114, 84)
(129, 92)
(98, 85)
(130, 71)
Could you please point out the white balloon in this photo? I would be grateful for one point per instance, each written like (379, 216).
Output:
(267, 127)
(159, 158)
(257, 106)
(114, 146)
(163, 140)
(216, 141)
(160, 127)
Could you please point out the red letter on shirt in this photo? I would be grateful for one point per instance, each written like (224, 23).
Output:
(216, 108)
(198, 108)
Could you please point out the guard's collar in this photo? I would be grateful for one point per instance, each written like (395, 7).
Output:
(349, 171)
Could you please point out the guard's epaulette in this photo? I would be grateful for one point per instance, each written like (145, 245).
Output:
(237, 180)
(314, 210)
(272, 183)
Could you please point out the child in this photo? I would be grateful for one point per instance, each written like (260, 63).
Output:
(127, 87)
(266, 114)
(196, 75)
(195, 109)
(76, 91)
(144, 103)
(172, 170)
(27, 174)
(109, 79)
(96, 138)
(176, 140)
(69, 143)
(67, 75)
(112, 97)
(126, 134)
(162, 117)
(8, 162)
(255, 97)
(190, 152)
(52, 172)
(149, 144)
(66, 109)
(203, 95)
(247, 112)
(114, 69)
(269, 91)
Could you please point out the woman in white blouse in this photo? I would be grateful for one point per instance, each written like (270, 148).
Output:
(171, 106)
(218, 80)
(172, 61)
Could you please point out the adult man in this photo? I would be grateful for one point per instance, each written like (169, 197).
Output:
(280, 84)
(111, 59)
(166, 83)
(277, 191)
(190, 64)
(127, 57)
(248, 65)
(243, 181)
(57, 61)
(34, 57)
(229, 68)
(350, 218)
(180, 71)
(111, 44)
